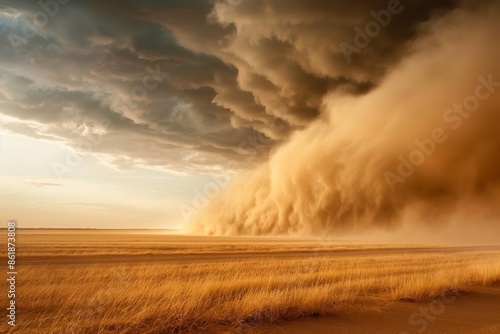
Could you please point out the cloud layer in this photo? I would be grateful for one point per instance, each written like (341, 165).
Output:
(377, 113)
(421, 148)
(187, 85)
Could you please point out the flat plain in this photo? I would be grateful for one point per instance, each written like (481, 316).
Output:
(118, 281)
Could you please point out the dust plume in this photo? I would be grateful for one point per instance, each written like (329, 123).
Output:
(419, 149)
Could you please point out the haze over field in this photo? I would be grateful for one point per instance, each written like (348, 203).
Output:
(419, 145)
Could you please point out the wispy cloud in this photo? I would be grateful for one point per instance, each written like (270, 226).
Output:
(44, 184)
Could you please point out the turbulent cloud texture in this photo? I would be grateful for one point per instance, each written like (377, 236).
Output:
(325, 99)
(186, 85)
(421, 147)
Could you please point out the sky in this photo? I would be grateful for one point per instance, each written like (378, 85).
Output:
(137, 114)
(90, 194)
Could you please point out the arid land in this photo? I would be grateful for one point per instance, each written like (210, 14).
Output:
(93, 281)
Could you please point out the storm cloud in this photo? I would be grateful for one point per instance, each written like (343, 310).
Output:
(185, 85)
(419, 149)
(318, 101)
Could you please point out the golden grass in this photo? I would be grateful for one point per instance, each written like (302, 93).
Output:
(96, 249)
(191, 296)
(73, 243)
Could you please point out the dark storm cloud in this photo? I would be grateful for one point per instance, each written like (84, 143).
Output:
(418, 152)
(188, 84)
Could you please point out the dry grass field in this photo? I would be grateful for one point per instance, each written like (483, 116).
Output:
(72, 282)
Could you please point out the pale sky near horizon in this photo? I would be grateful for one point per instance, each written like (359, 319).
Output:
(91, 195)
(126, 85)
